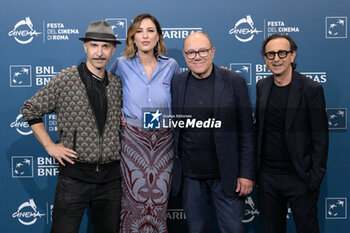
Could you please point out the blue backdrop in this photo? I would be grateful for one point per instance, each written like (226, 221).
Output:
(40, 38)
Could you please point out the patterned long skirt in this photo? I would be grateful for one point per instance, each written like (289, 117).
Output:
(146, 169)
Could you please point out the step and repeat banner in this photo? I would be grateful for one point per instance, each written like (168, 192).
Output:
(40, 38)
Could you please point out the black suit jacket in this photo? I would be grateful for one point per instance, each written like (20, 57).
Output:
(234, 142)
(306, 126)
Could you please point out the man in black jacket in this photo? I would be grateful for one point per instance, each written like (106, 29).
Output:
(217, 162)
(292, 140)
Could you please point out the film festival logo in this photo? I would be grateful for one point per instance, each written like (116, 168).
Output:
(336, 208)
(336, 27)
(244, 29)
(250, 210)
(280, 26)
(337, 118)
(27, 213)
(119, 26)
(244, 69)
(23, 32)
(51, 122)
(21, 126)
(58, 31)
(20, 76)
(22, 167)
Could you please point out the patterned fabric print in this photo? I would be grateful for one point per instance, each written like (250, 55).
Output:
(146, 169)
(65, 95)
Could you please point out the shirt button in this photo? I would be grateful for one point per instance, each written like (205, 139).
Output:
(149, 100)
(144, 73)
(149, 86)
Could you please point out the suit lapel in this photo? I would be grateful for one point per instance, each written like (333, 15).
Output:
(219, 84)
(295, 93)
(265, 93)
(182, 91)
(178, 100)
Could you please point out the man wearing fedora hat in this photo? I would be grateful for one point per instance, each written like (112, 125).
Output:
(87, 101)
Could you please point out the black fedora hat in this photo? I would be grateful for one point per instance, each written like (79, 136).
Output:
(100, 30)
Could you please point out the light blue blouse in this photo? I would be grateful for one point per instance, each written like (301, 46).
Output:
(141, 93)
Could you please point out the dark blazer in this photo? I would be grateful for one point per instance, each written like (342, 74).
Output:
(306, 126)
(235, 140)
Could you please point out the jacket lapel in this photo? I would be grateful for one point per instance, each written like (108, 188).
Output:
(295, 93)
(181, 92)
(265, 93)
(219, 84)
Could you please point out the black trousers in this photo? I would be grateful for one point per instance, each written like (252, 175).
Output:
(73, 196)
(275, 191)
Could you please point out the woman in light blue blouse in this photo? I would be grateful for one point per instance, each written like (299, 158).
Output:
(146, 154)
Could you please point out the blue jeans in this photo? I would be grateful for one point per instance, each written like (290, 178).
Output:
(196, 198)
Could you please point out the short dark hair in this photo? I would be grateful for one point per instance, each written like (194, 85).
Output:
(293, 45)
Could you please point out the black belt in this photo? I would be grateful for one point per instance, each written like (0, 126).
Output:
(97, 167)
(92, 172)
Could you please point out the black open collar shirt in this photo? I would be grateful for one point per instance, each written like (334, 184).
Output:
(96, 91)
